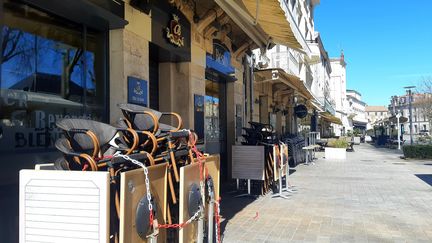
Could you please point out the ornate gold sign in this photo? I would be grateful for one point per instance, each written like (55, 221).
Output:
(174, 32)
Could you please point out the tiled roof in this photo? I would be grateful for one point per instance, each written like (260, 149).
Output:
(375, 108)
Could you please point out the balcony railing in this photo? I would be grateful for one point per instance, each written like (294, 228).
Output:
(327, 105)
(287, 61)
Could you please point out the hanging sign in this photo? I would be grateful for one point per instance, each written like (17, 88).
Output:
(174, 32)
(301, 111)
(137, 91)
(221, 54)
(220, 60)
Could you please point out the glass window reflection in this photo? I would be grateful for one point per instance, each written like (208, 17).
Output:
(212, 126)
(50, 68)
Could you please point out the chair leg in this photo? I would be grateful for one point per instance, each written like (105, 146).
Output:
(169, 215)
(173, 162)
(171, 186)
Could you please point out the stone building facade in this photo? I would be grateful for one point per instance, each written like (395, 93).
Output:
(375, 114)
(190, 57)
(420, 107)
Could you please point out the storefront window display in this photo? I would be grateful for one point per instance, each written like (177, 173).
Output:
(212, 126)
(51, 68)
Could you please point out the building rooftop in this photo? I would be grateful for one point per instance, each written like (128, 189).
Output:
(353, 91)
(375, 108)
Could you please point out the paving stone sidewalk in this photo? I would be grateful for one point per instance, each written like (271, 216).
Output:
(372, 196)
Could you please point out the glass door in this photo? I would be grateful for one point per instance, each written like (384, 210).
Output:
(215, 121)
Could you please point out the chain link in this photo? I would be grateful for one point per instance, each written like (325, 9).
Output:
(148, 192)
(209, 190)
(181, 225)
(217, 216)
(147, 181)
(202, 190)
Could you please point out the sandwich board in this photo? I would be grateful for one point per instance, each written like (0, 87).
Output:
(132, 190)
(64, 206)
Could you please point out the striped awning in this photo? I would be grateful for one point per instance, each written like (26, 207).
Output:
(279, 75)
(330, 118)
(276, 20)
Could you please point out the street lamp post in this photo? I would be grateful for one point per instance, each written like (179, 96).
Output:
(398, 115)
(408, 88)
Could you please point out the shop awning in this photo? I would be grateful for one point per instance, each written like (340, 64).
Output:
(330, 118)
(351, 116)
(316, 104)
(279, 75)
(271, 13)
(35, 100)
(359, 123)
(402, 119)
(104, 15)
(260, 25)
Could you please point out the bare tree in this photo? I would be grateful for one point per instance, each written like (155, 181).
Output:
(424, 102)
(24, 50)
(15, 44)
(9, 42)
(69, 62)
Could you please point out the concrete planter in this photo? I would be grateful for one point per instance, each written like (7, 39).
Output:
(356, 140)
(335, 153)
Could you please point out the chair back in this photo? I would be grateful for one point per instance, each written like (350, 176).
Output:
(139, 120)
(82, 142)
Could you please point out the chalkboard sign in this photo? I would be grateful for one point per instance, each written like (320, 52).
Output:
(199, 117)
(301, 111)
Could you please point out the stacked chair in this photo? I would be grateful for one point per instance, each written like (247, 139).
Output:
(140, 140)
(295, 145)
(260, 134)
(276, 159)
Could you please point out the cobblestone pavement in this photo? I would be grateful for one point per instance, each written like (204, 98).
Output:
(372, 196)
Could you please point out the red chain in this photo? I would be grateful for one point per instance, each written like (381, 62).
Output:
(198, 154)
(192, 144)
(151, 218)
(217, 216)
(172, 226)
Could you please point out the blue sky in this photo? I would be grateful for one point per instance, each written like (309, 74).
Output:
(387, 44)
(49, 60)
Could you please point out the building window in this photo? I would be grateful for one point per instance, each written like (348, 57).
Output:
(293, 3)
(211, 111)
(51, 68)
(415, 128)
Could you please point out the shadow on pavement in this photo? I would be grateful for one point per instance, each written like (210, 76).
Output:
(232, 203)
(427, 178)
(386, 149)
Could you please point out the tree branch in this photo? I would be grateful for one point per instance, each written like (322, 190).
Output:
(75, 60)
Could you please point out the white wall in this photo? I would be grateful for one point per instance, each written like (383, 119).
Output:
(338, 84)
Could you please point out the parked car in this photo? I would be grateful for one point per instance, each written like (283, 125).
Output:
(424, 133)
